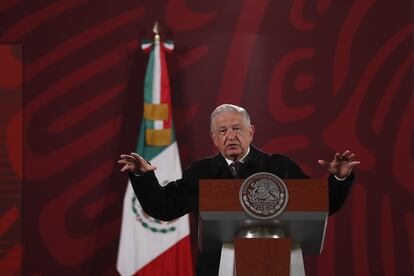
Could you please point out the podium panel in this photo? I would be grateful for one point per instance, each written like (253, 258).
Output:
(222, 218)
(254, 256)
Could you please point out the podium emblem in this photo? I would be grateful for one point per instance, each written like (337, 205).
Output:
(263, 195)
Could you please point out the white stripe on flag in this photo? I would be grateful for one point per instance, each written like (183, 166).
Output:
(156, 82)
(134, 252)
(170, 170)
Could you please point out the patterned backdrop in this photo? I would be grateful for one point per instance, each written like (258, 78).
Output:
(316, 76)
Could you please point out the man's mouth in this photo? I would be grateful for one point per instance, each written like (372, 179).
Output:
(232, 146)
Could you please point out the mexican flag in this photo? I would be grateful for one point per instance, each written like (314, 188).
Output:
(149, 246)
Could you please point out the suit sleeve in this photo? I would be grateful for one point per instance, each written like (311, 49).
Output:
(172, 201)
(293, 170)
(338, 190)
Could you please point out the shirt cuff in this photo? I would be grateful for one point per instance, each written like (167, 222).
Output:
(340, 179)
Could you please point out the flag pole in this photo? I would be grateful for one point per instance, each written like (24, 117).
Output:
(156, 30)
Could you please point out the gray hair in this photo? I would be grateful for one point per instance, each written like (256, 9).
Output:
(229, 108)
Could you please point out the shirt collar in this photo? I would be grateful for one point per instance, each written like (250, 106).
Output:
(229, 161)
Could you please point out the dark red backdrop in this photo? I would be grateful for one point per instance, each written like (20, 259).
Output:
(316, 76)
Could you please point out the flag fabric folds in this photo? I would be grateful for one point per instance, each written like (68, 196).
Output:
(149, 246)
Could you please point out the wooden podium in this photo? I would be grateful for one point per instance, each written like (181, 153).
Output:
(222, 220)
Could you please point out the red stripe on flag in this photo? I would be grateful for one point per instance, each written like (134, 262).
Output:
(165, 86)
(177, 261)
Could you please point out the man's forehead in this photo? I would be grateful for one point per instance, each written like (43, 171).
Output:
(228, 117)
(228, 125)
(229, 121)
(229, 114)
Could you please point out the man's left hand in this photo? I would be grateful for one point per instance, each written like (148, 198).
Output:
(342, 164)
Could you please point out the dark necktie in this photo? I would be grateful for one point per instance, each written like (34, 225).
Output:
(234, 168)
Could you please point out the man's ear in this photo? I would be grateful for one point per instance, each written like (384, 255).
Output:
(252, 131)
(213, 137)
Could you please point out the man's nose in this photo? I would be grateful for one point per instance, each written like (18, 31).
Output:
(231, 134)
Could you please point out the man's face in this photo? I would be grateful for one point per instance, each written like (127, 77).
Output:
(231, 135)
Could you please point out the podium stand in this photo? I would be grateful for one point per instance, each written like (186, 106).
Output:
(262, 247)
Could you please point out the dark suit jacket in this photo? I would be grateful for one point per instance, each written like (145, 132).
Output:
(181, 196)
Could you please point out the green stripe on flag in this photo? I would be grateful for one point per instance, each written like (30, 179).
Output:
(148, 86)
(148, 78)
(149, 152)
(149, 124)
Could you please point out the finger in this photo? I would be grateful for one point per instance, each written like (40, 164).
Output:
(126, 162)
(354, 163)
(136, 155)
(330, 166)
(322, 163)
(124, 168)
(346, 154)
(144, 163)
(139, 158)
(152, 168)
(128, 157)
(123, 161)
(351, 157)
(337, 158)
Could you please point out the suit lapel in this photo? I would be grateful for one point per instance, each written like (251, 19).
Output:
(253, 163)
(221, 168)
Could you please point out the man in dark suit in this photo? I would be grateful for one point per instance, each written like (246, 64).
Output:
(232, 134)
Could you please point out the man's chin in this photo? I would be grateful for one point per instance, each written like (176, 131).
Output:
(233, 155)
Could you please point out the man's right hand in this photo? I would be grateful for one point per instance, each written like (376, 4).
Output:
(134, 163)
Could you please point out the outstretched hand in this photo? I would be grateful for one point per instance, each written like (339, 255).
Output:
(134, 163)
(342, 164)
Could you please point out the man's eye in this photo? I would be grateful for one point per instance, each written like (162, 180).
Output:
(237, 129)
